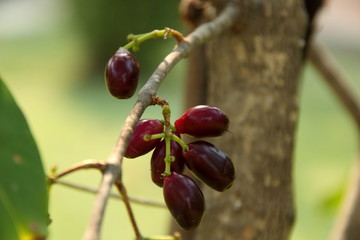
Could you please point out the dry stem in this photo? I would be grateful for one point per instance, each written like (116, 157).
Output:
(86, 164)
(122, 190)
(145, 202)
(336, 79)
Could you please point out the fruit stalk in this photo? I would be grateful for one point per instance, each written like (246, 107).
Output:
(135, 40)
(168, 135)
(167, 158)
(148, 137)
(183, 145)
(157, 163)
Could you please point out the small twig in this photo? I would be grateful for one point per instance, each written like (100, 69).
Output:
(336, 79)
(177, 35)
(86, 164)
(113, 172)
(121, 188)
(112, 195)
(156, 100)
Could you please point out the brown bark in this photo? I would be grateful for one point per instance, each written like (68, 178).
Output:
(252, 74)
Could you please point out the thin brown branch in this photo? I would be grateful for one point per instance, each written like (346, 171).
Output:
(336, 79)
(122, 190)
(134, 200)
(347, 226)
(86, 164)
(173, 33)
(113, 172)
(156, 100)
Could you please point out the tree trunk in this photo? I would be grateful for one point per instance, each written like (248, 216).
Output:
(252, 74)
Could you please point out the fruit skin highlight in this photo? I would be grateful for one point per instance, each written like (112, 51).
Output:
(157, 164)
(137, 145)
(203, 121)
(210, 165)
(184, 199)
(122, 74)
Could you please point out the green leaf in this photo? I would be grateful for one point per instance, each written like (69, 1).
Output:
(23, 187)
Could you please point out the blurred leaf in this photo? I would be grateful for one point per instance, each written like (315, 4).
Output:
(23, 189)
(331, 202)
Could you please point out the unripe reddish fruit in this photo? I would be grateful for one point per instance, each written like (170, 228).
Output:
(184, 199)
(210, 165)
(137, 145)
(203, 121)
(122, 74)
(157, 163)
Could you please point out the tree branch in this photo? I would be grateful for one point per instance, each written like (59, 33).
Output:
(111, 195)
(121, 188)
(347, 226)
(336, 79)
(113, 172)
(86, 164)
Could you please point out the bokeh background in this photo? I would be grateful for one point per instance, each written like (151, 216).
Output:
(52, 56)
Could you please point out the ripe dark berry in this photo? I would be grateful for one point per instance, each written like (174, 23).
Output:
(137, 145)
(122, 74)
(184, 199)
(203, 121)
(210, 165)
(157, 163)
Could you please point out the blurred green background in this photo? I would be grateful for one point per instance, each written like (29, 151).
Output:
(52, 55)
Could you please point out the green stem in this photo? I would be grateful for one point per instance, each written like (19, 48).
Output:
(148, 137)
(183, 145)
(136, 40)
(168, 135)
(167, 158)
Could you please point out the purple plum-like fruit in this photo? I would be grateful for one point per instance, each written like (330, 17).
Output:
(122, 74)
(137, 145)
(184, 199)
(210, 165)
(203, 121)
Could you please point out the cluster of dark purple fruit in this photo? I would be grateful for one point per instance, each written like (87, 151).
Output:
(209, 164)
